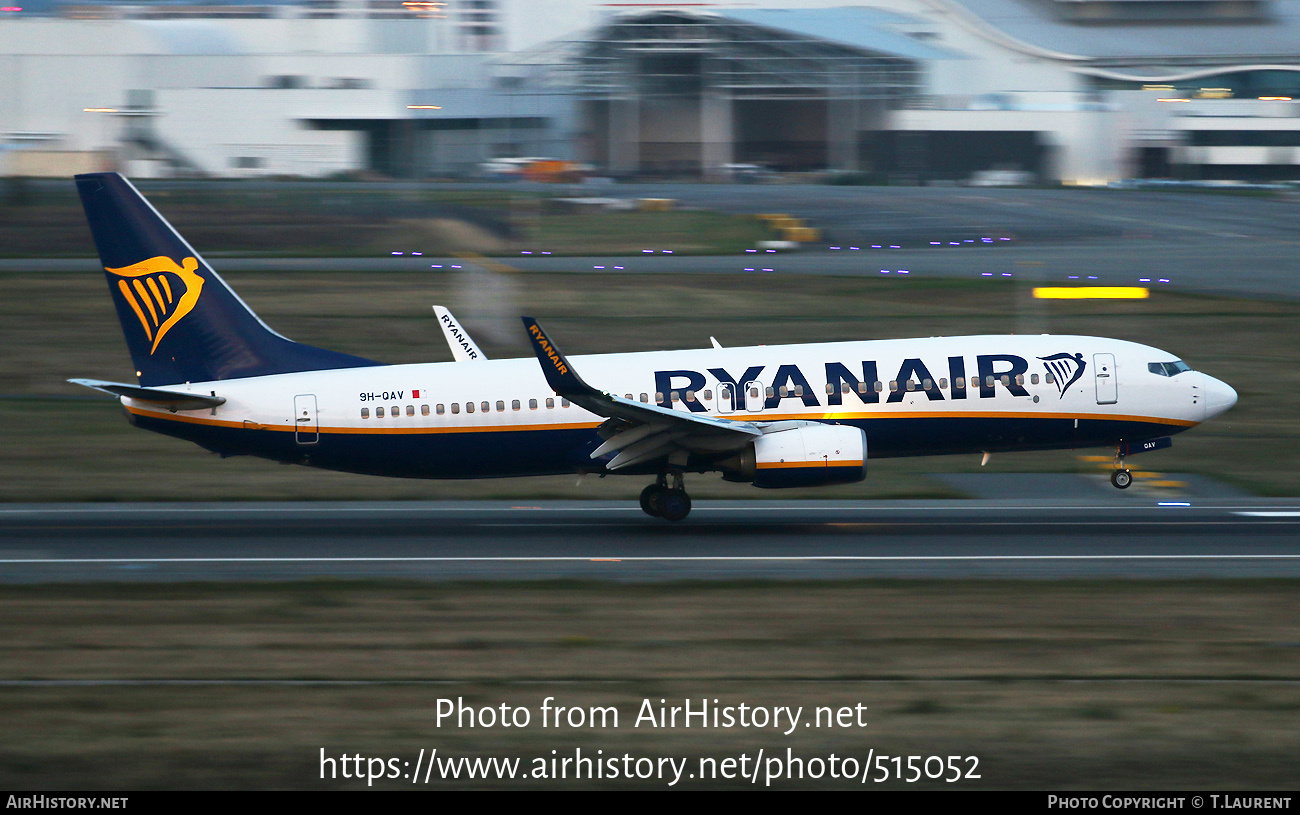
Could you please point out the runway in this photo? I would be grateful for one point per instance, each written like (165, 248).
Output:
(722, 540)
(1189, 241)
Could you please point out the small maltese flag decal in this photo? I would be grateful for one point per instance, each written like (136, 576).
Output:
(415, 394)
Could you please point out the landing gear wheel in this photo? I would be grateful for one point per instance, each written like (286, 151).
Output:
(676, 505)
(652, 500)
(1121, 479)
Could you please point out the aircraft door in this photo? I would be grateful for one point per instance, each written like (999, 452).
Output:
(306, 425)
(726, 397)
(754, 396)
(1103, 367)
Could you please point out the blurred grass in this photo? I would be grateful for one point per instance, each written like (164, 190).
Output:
(1067, 684)
(360, 223)
(60, 445)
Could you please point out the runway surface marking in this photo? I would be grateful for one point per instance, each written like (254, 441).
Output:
(631, 509)
(889, 680)
(634, 558)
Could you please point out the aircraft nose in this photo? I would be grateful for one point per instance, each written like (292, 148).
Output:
(1219, 396)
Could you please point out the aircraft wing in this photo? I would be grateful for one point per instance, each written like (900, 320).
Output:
(638, 432)
(172, 400)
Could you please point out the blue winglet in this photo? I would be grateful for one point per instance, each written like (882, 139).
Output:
(557, 370)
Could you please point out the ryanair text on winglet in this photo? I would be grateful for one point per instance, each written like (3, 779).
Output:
(546, 346)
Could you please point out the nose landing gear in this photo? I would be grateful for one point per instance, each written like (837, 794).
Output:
(1121, 477)
(662, 501)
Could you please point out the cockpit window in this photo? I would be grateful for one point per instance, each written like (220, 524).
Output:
(1168, 368)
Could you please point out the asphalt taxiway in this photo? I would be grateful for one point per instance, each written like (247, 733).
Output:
(1191, 241)
(1124, 537)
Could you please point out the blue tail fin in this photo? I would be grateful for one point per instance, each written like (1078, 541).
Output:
(182, 322)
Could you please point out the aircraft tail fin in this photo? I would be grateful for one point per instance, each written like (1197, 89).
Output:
(182, 322)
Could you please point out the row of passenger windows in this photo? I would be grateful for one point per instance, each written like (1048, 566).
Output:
(470, 407)
(690, 395)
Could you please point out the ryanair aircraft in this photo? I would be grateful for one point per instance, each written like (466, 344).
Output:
(212, 372)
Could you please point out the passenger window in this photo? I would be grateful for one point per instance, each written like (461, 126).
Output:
(927, 384)
(784, 391)
(365, 413)
(379, 413)
(893, 386)
(564, 403)
(532, 404)
(1006, 381)
(959, 384)
(644, 398)
(410, 410)
(485, 406)
(455, 407)
(831, 388)
(424, 410)
(469, 407)
(514, 404)
(627, 396)
(975, 381)
(708, 396)
(659, 396)
(988, 381)
(943, 383)
(1049, 379)
(862, 387)
(798, 390)
(501, 406)
(673, 397)
(1020, 379)
(550, 402)
(1033, 379)
(770, 393)
(397, 411)
(690, 396)
(879, 386)
(441, 409)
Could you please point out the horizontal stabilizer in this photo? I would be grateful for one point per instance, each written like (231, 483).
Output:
(172, 400)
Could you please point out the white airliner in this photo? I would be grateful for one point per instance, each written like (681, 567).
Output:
(212, 372)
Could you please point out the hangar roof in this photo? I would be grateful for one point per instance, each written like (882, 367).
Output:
(847, 53)
(857, 27)
(1269, 36)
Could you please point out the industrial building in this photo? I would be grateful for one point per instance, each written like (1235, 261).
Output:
(913, 91)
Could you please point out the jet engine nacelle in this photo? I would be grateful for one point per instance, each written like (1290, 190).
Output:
(807, 455)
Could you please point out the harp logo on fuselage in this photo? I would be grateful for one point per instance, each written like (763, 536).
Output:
(160, 293)
(1065, 369)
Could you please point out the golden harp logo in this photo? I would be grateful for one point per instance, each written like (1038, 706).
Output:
(159, 292)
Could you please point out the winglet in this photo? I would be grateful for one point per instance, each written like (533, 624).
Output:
(557, 370)
(463, 348)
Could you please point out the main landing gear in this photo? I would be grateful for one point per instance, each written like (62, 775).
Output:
(1121, 477)
(662, 501)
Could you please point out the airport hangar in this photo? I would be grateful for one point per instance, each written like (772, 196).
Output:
(1075, 91)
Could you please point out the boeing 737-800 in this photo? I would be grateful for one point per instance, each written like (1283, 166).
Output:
(210, 371)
